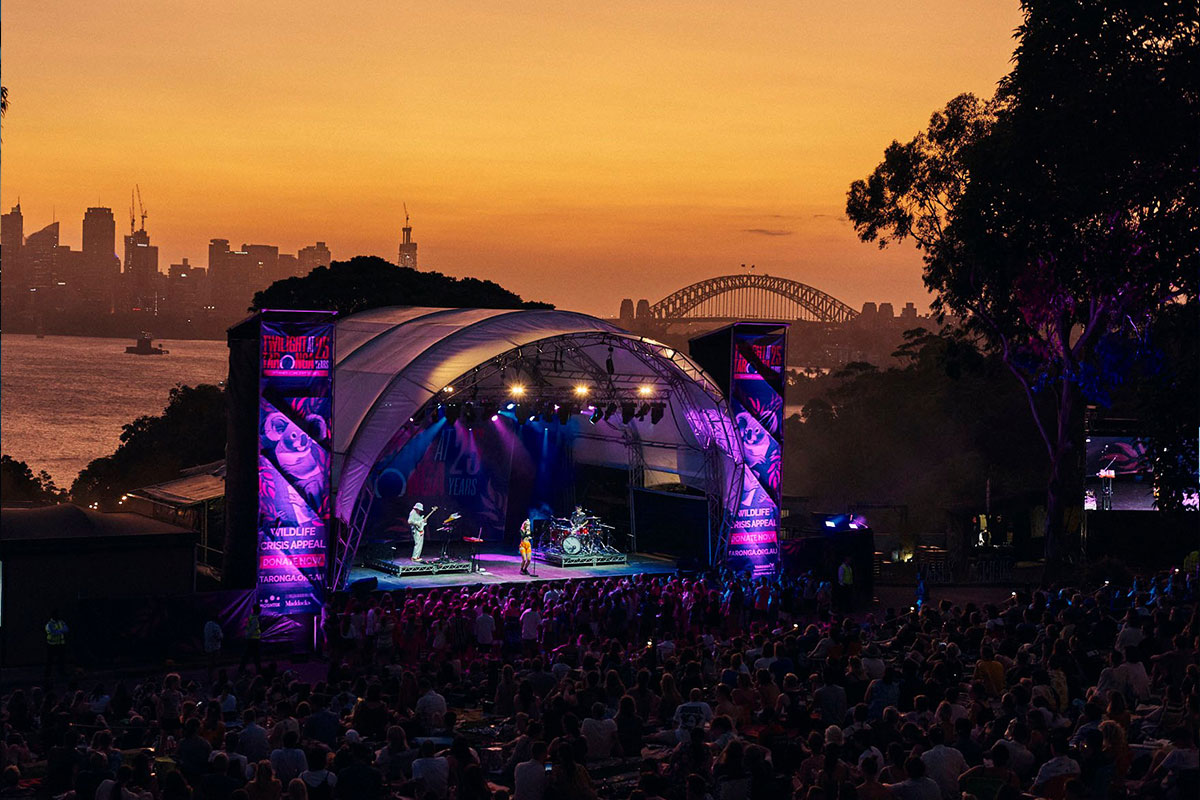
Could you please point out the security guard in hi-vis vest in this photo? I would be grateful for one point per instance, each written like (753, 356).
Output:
(56, 643)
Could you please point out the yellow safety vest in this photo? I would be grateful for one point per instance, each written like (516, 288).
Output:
(56, 632)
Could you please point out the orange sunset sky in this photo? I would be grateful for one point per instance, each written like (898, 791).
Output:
(576, 153)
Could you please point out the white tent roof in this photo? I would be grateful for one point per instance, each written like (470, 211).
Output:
(391, 361)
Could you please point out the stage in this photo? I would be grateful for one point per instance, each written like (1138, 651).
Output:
(506, 568)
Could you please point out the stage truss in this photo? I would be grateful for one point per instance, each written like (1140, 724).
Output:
(581, 559)
(563, 359)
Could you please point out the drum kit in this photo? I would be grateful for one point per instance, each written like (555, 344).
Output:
(587, 536)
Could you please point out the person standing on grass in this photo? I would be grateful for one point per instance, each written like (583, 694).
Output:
(56, 644)
(253, 647)
(845, 584)
(214, 636)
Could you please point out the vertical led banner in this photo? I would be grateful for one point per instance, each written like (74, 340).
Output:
(756, 402)
(295, 446)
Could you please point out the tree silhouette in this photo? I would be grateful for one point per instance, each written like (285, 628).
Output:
(191, 431)
(1060, 215)
(366, 282)
(19, 486)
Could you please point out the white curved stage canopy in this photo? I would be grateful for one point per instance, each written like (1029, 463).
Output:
(395, 365)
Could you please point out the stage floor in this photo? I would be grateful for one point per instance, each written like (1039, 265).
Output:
(503, 568)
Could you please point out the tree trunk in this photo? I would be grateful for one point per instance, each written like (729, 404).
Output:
(1058, 548)
(1055, 531)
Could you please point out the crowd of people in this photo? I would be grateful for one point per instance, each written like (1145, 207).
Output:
(686, 687)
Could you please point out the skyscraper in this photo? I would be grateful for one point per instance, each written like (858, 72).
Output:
(141, 268)
(101, 266)
(38, 256)
(185, 287)
(408, 248)
(265, 263)
(311, 257)
(12, 242)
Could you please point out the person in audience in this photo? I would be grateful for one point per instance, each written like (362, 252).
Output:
(696, 686)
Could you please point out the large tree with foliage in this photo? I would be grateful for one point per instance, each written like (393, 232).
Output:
(371, 282)
(1059, 217)
(19, 486)
(153, 449)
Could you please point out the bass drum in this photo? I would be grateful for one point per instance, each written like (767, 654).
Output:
(572, 546)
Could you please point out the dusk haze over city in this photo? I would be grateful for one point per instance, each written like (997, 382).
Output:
(613, 401)
(661, 140)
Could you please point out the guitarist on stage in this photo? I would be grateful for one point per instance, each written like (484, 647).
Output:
(526, 547)
(417, 520)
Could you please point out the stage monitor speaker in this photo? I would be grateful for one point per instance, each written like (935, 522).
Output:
(363, 586)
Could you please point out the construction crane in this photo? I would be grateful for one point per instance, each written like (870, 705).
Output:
(141, 208)
(131, 212)
(405, 214)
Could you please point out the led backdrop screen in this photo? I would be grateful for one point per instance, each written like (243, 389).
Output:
(295, 442)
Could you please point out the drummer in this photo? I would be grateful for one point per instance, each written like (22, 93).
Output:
(579, 518)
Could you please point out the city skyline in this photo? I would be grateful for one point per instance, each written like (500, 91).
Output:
(661, 145)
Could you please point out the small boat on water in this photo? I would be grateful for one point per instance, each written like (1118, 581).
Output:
(144, 346)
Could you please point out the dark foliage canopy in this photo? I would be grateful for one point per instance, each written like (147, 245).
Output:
(927, 434)
(1059, 218)
(20, 487)
(366, 282)
(190, 431)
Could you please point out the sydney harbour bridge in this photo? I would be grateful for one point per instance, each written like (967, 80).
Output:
(826, 332)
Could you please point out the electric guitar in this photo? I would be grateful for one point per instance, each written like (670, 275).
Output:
(420, 527)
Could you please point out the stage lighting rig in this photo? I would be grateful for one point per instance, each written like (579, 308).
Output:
(656, 413)
(453, 412)
(609, 410)
(642, 412)
(468, 413)
(597, 414)
(627, 412)
(516, 390)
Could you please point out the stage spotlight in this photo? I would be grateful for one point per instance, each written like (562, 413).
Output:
(645, 391)
(643, 411)
(564, 415)
(656, 413)
(510, 406)
(495, 417)
(597, 413)
(517, 390)
(469, 413)
(609, 410)
(453, 411)
(448, 389)
(581, 391)
(434, 413)
(627, 412)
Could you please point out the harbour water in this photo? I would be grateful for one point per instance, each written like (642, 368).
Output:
(64, 399)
